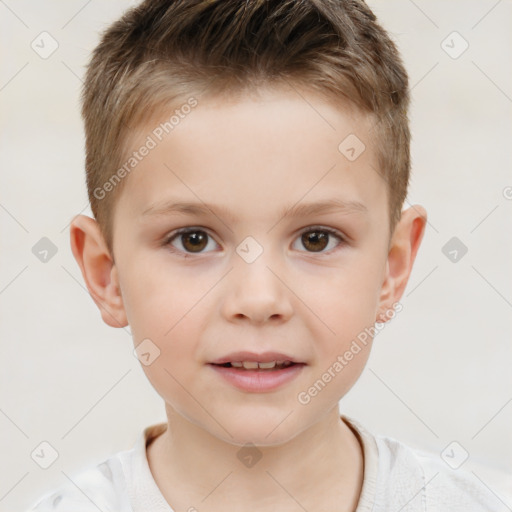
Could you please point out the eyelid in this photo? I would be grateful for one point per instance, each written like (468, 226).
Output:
(188, 229)
(319, 227)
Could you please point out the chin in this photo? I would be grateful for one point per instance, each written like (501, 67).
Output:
(259, 429)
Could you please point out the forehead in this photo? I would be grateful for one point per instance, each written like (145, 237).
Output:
(274, 147)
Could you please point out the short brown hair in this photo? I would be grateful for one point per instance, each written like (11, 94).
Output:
(163, 51)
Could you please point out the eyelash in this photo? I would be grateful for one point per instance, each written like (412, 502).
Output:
(175, 234)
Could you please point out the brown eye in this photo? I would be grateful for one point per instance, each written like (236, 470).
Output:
(315, 240)
(192, 241)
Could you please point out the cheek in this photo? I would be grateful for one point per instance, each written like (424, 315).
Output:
(167, 380)
(158, 299)
(174, 334)
(164, 309)
(347, 301)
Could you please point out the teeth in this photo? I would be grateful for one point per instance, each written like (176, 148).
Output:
(270, 364)
(250, 365)
(253, 365)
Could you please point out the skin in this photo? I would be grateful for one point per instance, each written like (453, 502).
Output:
(253, 156)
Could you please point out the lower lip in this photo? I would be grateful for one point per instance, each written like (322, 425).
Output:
(258, 381)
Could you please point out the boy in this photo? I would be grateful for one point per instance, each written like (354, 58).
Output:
(247, 163)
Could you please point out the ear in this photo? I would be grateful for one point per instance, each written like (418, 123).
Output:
(404, 245)
(98, 269)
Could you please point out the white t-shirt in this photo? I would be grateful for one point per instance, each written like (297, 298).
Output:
(396, 478)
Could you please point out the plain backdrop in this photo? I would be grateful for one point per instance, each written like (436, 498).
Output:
(438, 373)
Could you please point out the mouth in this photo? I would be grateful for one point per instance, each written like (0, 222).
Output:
(258, 376)
(253, 361)
(256, 365)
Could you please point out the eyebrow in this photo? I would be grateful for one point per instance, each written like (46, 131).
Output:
(297, 210)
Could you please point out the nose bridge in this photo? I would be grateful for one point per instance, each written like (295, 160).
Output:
(254, 290)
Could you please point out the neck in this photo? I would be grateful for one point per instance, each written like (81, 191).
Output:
(321, 468)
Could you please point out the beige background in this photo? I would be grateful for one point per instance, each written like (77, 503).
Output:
(440, 372)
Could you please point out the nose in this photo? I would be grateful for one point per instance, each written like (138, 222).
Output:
(256, 292)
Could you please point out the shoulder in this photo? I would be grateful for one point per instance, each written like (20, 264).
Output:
(399, 477)
(121, 483)
(101, 487)
(426, 479)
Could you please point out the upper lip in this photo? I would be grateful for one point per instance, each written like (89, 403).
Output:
(264, 357)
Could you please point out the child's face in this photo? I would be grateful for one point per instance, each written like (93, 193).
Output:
(202, 297)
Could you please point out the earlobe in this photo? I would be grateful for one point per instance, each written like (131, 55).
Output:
(404, 246)
(98, 270)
